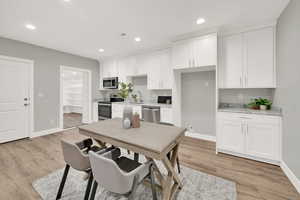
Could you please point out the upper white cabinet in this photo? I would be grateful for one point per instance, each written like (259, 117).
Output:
(160, 71)
(249, 135)
(197, 52)
(247, 60)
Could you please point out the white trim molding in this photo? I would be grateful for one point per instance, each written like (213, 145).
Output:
(291, 176)
(201, 136)
(45, 132)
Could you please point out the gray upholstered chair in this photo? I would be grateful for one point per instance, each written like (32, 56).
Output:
(152, 115)
(119, 175)
(76, 156)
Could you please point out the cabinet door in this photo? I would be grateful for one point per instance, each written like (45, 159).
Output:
(232, 64)
(165, 70)
(262, 139)
(166, 115)
(153, 66)
(230, 134)
(117, 110)
(259, 59)
(181, 55)
(204, 51)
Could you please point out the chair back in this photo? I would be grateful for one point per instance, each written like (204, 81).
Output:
(108, 174)
(74, 157)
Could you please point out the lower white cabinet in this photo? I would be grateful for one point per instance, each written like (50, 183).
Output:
(252, 136)
(166, 115)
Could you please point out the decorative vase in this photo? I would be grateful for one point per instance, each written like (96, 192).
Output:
(262, 107)
(126, 123)
(127, 114)
(136, 121)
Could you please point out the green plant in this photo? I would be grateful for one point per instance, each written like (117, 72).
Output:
(125, 90)
(260, 101)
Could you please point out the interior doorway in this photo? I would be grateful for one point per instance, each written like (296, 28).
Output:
(75, 97)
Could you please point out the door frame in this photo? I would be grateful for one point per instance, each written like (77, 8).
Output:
(61, 111)
(30, 117)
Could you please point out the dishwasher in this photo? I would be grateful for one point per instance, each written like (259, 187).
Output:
(151, 113)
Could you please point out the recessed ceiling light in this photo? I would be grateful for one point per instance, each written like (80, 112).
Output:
(101, 50)
(200, 20)
(30, 26)
(67, 0)
(137, 39)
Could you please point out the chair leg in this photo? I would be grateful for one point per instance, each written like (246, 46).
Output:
(154, 195)
(88, 187)
(63, 181)
(178, 165)
(136, 157)
(134, 187)
(95, 185)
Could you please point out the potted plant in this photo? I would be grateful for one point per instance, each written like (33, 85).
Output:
(260, 103)
(125, 90)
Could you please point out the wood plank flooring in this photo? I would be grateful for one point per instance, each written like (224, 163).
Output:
(23, 161)
(72, 120)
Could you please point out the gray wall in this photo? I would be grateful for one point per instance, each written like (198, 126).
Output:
(198, 90)
(287, 94)
(46, 77)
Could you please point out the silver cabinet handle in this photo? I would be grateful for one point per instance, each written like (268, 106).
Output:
(245, 118)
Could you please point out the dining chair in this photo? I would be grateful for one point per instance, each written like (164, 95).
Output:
(120, 175)
(150, 115)
(76, 156)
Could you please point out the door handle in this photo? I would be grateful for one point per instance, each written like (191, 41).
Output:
(26, 104)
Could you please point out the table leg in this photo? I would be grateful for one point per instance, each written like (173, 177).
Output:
(169, 187)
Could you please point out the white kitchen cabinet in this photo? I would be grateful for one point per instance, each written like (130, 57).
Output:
(231, 135)
(259, 59)
(232, 62)
(197, 52)
(166, 115)
(248, 135)
(247, 60)
(160, 71)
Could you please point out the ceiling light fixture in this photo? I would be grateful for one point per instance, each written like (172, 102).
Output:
(30, 26)
(137, 39)
(200, 21)
(101, 50)
(67, 0)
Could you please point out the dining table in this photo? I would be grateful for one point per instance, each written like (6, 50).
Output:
(155, 141)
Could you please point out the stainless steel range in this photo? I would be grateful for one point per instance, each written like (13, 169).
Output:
(104, 108)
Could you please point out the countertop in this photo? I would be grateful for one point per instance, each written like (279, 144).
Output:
(146, 104)
(273, 112)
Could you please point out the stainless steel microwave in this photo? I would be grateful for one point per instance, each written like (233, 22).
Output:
(110, 83)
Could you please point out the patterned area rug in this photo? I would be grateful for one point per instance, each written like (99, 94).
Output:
(196, 186)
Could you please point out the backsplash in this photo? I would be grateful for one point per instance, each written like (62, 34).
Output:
(140, 88)
(244, 96)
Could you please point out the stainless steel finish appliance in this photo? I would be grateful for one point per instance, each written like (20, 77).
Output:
(151, 113)
(104, 108)
(110, 83)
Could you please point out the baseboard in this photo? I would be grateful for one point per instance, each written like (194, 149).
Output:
(201, 136)
(45, 132)
(292, 177)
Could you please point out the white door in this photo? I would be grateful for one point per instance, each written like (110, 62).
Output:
(14, 89)
(259, 59)
(262, 139)
(230, 132)
(232, 62)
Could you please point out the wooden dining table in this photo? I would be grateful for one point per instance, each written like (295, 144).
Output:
(154, 141)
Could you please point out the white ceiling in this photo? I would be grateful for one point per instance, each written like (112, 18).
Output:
(83, 26)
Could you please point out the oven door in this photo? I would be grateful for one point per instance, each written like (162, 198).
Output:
(104, 111)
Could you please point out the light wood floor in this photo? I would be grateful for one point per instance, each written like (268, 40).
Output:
(72, 120)
(23, 161)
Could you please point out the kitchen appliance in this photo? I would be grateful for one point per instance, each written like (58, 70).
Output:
(164, 99)
(151, 113)
(110, 83)
(104, 108)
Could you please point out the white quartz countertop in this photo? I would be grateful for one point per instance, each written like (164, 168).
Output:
(146, 104)
(272, 112)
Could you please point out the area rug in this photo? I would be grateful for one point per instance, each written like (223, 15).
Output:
(197, 186)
